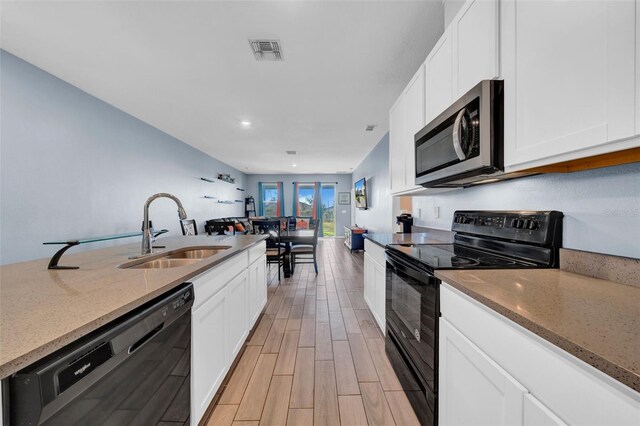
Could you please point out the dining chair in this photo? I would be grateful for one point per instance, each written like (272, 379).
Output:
(189, 227)
(276, 250)
(220, 227)
(307, 253)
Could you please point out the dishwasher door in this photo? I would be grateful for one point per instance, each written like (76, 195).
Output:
(133, 371)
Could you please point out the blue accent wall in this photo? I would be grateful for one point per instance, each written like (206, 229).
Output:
(74, 166)
(375, 169)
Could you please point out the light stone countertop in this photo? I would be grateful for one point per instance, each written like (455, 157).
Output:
(43, 310)
(596, 320)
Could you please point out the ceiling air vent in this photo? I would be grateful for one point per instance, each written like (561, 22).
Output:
(369, 127)
(266, 50)
(291, 152)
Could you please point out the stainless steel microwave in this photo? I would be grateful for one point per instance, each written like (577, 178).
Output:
(463, 146)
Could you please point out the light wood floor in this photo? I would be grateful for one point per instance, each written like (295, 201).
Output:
(316, 357)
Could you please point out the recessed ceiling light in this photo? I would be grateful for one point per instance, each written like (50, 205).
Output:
(245, 123)
(294, 165)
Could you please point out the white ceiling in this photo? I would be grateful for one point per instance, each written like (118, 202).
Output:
(187, 69)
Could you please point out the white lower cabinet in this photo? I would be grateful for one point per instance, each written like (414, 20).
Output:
(228, 302)
(375, 281)
(536, 414)
(473, 389)
(209, 352)
(237, 312)
(257, 288)
(493, 371)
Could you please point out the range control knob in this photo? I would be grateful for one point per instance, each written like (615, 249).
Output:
(525, 223)
(533, 225)
(519, 223)
(514, 222)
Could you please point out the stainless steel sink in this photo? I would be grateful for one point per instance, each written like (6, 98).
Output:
(174, 258)
(163, 263)
(196, 253)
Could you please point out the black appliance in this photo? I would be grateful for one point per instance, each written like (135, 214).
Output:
(483, 240)
(463, 145)
(135, 370)
(406, 222)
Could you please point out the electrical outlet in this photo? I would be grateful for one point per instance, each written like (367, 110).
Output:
(436, 212)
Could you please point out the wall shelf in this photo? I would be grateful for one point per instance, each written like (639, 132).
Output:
(209, 197)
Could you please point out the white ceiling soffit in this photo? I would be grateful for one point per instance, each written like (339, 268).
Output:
(187, 68)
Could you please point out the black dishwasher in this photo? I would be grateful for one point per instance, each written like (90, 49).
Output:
(132, 371)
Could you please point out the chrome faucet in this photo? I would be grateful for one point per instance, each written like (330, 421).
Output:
(146, 231)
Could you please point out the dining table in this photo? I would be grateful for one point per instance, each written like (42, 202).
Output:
(289, 238)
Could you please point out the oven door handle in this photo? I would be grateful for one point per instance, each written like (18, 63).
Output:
(456, 136)
(407, 268)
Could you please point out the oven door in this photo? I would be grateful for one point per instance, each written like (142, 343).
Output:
(412, 310)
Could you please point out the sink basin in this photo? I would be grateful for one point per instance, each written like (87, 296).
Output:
(164, 263)
(197, 253)
(175, 258)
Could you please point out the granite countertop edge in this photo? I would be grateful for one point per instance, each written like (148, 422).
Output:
(11, 366)
(617, 372)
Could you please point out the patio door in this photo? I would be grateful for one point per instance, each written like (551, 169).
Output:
(329, 210)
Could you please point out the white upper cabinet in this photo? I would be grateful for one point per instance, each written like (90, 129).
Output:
(637, 67)
(406, 118)
(396, 154)
(414, 121)
(475, 34)
(569, 70)
(439, 77)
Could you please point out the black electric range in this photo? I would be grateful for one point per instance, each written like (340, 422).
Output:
(483, 240)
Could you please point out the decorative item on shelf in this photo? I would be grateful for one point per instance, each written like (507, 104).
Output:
(225, 201)
(226, 178)
(208, 180)
(238, 201)
(53, 263)
(240, 189)
(249, 207)
(210, 197)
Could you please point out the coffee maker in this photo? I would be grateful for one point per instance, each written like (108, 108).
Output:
(406, 222)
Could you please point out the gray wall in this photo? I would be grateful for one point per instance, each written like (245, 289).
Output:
(343, 212)
(73, 166)
(601, 207)
(375, 168)
(451, 7)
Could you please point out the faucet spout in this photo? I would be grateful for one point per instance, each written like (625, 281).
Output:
(146, 232)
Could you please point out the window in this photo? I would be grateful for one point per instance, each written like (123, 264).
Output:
(305, 199)
(328, 210)
(270, 199)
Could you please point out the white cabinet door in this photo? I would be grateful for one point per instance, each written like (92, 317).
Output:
(369, 283)
(379, 278)
(536, 414)
(439, 77)
(209, 354)
(474, 34)
(237, 313)
(257, 289)
(568, 67)
(474, 390)
(414, 122)
(637, 67)
(396, 148)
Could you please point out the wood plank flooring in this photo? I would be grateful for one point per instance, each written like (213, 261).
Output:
(317, 356)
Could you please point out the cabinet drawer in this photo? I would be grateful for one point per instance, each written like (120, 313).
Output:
(212, 281)
(574, 390)
(256, 251)
(375, 251)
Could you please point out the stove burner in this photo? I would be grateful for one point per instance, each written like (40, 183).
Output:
(496, 261)
(463, 261)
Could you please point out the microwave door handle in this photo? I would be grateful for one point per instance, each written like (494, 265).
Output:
(456, 136)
